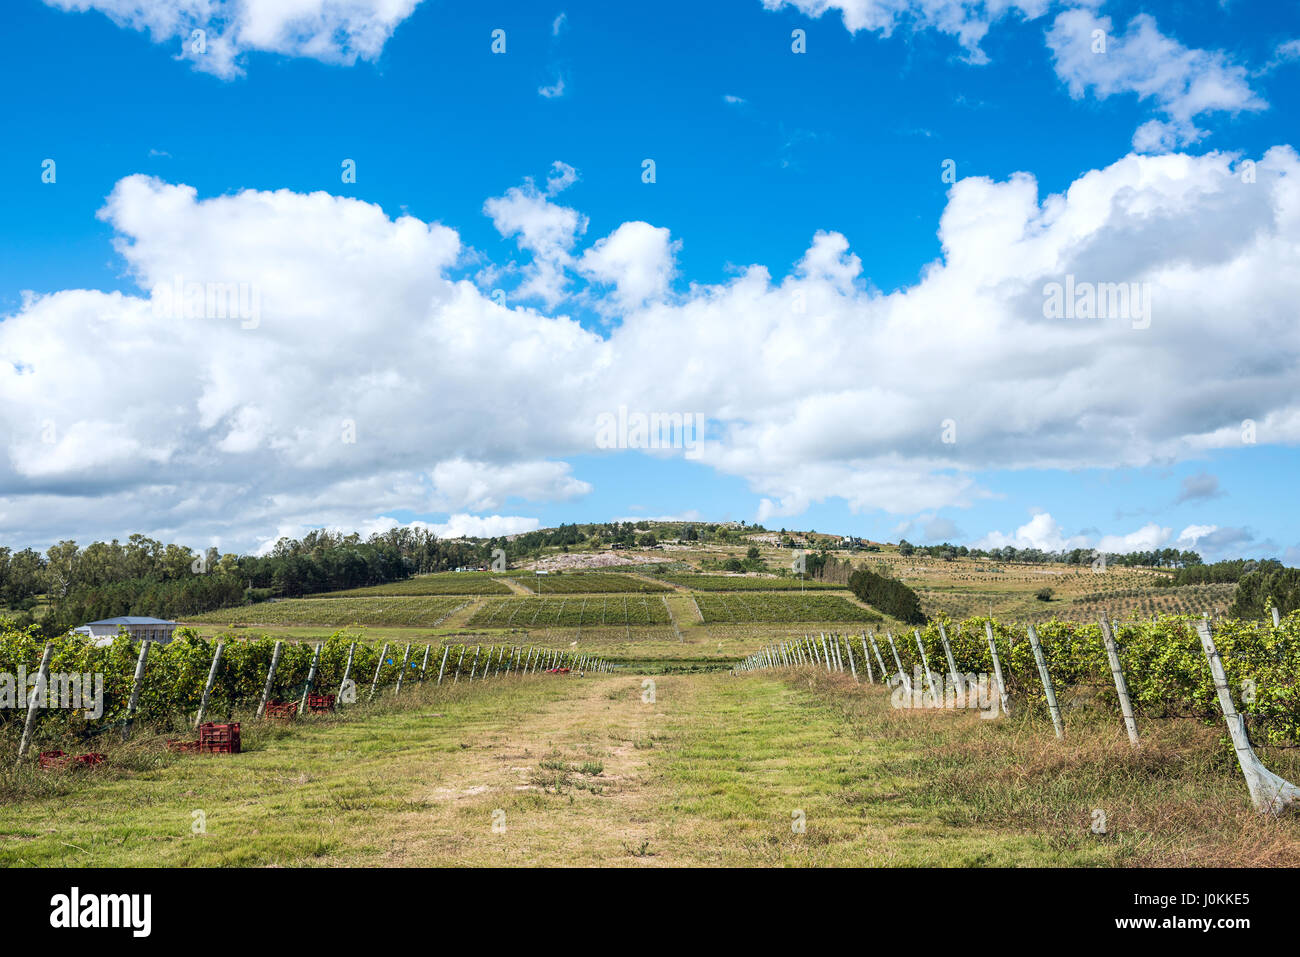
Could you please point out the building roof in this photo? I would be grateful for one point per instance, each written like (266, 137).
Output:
(131, 620)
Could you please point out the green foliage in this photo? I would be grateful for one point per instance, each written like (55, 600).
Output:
(1272, 586)
(887, 595)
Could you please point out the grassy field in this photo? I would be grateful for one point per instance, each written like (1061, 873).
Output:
(747, 583)
(709, 770)
(573, 611)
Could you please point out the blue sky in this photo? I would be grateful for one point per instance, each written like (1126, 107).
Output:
(1119, 437)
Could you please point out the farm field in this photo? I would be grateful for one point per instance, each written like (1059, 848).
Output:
(441, 583)
(709, 773)
(587, 583)
(705, 582)
(781, 607)
(341, 612)
(574, 611)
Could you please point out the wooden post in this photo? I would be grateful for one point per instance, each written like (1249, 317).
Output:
(898, 661)
(925, 662)
(270, 678)
(424, 665)
(1047, 682)
(997, 667)
(311, 680)
(40, 691)
(852, 667)
(474, 663)
(136, 684)
(866, 658)
(347, 672)
(379, 666)
(1277, 618)
(826, 653)
(441, 667)
(879, 660)
(459, 661)
(207, 688)
(957, 684)
(1271, 793)
(406, 660)
(1121, 686)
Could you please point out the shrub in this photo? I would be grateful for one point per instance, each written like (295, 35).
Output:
(887, 595)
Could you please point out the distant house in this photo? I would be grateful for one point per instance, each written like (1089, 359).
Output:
(142, 629)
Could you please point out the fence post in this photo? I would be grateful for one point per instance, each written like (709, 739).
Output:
(270, 678)
(1277, 618)
(934, 693)
(1047, 682)
(136, 684)
(406, 660)
(957, 683)
(997, 666)
(474, 664)
(879, 660)
(897, 660)
(826, 652)
(445, 649)
(1121, 686)
(424, 665)
(347, 671)
(848, 643)
(379, 665)
(39, 692)
(1268, 791)
(311, 680)
(866, 658)
(207, 688)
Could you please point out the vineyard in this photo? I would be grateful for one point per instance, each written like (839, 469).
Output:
(176, 674)
(443, 583)
(1163, 663)
(578, 611)
(747, 583)
(780, 607)
(587, 583)
(342, 612)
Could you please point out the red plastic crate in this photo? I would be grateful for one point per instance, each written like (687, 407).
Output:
(282, 710)
(91, 759)
(182, 747)
(53, 759)
(219, 738)
(320, 702)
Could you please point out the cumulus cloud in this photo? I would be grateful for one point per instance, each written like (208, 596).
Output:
(332, 31)
(374, 382)
(1182, 83)
(967, 21)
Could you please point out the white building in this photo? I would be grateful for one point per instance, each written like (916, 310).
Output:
(142, 629)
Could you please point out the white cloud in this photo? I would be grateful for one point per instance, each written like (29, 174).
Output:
(1042, 532)
(554, 91)
(375, 383)
(484, 526)
(332, 31)
(478, 486)
(1182, 83)
(636, 259)
(966, 20)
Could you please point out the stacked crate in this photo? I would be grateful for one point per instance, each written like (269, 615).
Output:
(219, 738)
